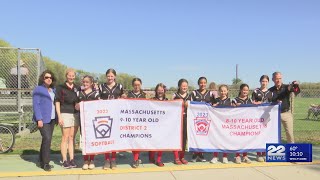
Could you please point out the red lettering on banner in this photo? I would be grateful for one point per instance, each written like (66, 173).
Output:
(133, 128)
(102, 143)
(245, 120)
(244, 126)
(245, 133)
(102, 111)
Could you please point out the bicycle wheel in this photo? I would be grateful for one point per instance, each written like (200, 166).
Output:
(7, 138)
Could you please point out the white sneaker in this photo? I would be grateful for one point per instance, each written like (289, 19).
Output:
(225, 160)
(91, 165)
(201, 158)
(194, 158)
(238, 160)
(106, 165)
(214, 160)
(260, 159)
(246, 160)
(85, 165)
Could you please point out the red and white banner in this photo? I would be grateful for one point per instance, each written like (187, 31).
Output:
(232, 129)
(130, 124)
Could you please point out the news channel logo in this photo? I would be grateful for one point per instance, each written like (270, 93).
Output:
(289, 152)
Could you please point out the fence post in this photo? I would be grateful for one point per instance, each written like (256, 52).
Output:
(38, 62)
(292, 96)
(19, 89)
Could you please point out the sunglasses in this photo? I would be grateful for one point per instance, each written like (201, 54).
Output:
(46, 77)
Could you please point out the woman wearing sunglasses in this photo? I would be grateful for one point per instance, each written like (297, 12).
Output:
(44, 114)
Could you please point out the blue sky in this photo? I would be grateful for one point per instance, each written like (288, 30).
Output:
(165, 40)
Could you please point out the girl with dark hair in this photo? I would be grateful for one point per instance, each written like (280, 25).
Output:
(262, 94)
(183, 94)
(259, 96)
(44, 114)
(160, 95)
(243, 98)
(111, 90)
(136, 93)
(206, 96)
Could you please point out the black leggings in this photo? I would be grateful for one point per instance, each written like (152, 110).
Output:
(46, 133)
(184, 132)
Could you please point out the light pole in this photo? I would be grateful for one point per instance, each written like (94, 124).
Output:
(236, 73)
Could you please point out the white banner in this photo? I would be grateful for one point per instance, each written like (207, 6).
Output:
(131, 124)
(232, 129)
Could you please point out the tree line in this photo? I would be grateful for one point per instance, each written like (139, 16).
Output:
(8, 60)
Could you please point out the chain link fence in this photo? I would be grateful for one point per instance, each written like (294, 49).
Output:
(306, 111)
(19, 72)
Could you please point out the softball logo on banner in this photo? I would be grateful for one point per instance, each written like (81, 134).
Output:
(202, 125)
(232, 129)
(130, 124)
(102, 126)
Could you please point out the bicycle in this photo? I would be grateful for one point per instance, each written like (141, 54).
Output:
(7, 138)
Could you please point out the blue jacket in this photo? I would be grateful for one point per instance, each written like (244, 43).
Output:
(42, 104)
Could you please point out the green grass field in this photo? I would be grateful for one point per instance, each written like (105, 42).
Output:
(30, 143)
(305, 130)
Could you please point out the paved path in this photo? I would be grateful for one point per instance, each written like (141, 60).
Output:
(24, 167)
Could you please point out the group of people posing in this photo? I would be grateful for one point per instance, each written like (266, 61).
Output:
(60, 105)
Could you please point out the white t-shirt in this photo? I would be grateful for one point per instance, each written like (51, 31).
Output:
(23, 70)
(53, 112)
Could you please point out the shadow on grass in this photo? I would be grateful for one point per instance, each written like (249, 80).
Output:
(307, 119)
